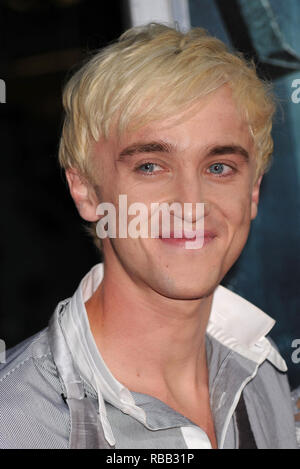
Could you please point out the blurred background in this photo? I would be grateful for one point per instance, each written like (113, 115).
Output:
(45, 250)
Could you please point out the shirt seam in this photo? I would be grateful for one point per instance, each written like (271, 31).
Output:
(235, 430)
(20, 364)
(220, 370)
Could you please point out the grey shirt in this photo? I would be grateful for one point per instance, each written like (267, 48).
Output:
(34, 414)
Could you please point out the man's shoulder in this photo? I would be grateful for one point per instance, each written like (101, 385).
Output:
(34, 346)
(32, 411)
(26, 358)
(269, 402)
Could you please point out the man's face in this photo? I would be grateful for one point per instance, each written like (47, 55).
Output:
(207, 158)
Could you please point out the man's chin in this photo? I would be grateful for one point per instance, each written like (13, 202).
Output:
(186, 288)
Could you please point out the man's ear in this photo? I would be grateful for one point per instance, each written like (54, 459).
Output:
(83, 195)
(255, 198)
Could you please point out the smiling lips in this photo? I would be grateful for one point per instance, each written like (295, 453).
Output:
(181, 242)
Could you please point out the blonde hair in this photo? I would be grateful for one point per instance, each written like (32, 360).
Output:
(153, 72)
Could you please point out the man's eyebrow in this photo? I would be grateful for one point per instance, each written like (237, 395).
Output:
(145, 147)
(228, 150)
(164, 147)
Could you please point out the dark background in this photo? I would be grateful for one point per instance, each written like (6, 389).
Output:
(45, 250)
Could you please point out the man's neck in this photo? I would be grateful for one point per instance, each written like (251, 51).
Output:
(150, 343)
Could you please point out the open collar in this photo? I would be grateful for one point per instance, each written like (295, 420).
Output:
(242, 327)
(234, 322)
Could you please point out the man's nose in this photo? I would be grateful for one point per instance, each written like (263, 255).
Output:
(190, 193)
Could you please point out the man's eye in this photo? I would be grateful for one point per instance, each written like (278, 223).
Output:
(220, 169)
(149, 168)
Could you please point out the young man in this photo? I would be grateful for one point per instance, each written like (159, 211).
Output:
(151, 352)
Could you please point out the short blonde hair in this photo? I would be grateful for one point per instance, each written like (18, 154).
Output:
(150, 73)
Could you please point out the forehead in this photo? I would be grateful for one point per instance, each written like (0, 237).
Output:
(213, 119)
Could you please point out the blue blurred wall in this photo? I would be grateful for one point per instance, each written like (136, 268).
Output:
(268, 272)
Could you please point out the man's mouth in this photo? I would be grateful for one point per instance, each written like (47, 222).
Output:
(189, 240)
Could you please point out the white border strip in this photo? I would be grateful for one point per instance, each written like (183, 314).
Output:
(169, 12)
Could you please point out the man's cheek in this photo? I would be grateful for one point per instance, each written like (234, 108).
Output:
(237, 216)
(241, 208)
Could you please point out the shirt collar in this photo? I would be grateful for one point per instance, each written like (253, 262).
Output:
(90, 364)
(234, 322)
(242, 327)
(82, 344)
